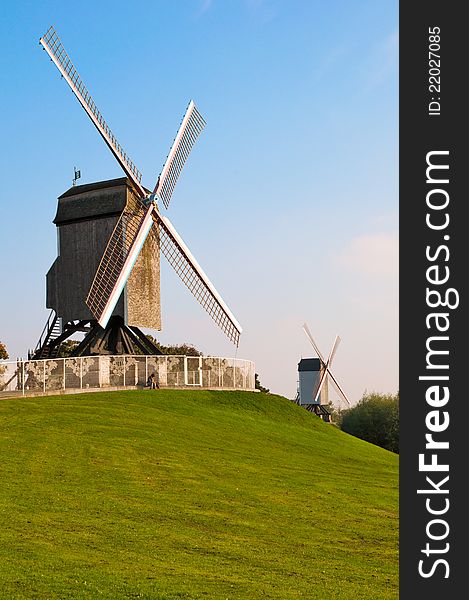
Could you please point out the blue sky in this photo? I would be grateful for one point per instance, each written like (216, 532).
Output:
(289, 200)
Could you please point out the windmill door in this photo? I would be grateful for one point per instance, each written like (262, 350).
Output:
(193, 370)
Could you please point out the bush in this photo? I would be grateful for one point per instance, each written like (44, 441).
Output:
(3, 352)
(259, 386)
(66, 348)
(375, 419)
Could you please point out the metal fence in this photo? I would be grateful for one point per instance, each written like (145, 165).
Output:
(28, 377)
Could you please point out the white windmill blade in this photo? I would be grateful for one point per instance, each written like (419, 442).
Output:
(338, 388)
(118, 259)
(190, 129)
(54, 48)
(192, 275)
(321, 384)
(315, 346)
(335, 345)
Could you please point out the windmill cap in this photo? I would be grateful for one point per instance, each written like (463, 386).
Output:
(309, 364)
(93, 200)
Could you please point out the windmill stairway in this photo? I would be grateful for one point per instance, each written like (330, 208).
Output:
(49, 341)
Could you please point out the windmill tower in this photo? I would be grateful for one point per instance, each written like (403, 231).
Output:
(313, 379)
(105, 281)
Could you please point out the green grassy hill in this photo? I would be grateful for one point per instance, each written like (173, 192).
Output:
(174, 494)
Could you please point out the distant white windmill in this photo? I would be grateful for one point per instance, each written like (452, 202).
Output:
(314, 375)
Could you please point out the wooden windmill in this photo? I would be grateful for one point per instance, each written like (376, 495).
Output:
(105, 281)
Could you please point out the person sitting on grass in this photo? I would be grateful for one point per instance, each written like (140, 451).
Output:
(152, 382)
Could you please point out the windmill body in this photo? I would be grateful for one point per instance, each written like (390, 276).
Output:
(85, 219)
(310, 374)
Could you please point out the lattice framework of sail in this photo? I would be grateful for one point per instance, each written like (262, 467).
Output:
(190, 129)
(51, 42)
(191, 278)
(117, 250)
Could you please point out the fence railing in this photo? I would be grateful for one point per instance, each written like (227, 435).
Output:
(25, 377)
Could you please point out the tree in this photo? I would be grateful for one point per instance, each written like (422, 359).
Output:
(3, 352)
(258, 386)
(185, 349)
(374, 419)
(66, 348)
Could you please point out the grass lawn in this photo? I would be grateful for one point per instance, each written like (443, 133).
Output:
(176, 494)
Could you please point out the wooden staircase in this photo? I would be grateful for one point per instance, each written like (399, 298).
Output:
(48, 344)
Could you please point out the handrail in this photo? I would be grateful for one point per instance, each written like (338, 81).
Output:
(46, 330)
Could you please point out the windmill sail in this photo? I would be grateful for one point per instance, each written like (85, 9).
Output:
(321, 384)
(335, 345)
(190, 129)
(54, 48)
(118, 259)
(338, 388)
(313, 343)
(121, 253)
(192, 275)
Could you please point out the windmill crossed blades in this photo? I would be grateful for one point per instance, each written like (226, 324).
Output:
(141, 217)
(326, 364)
